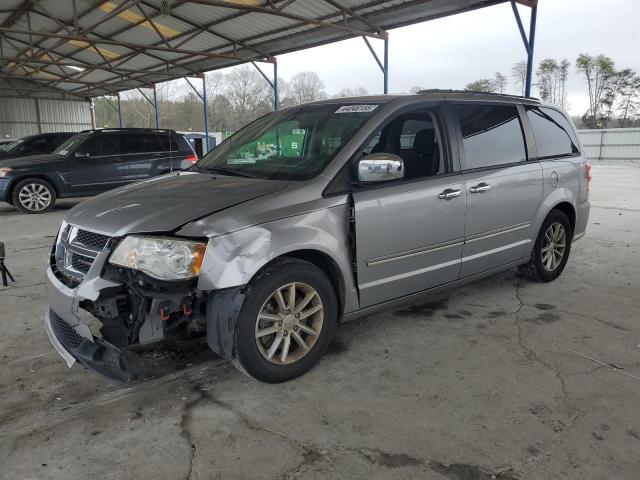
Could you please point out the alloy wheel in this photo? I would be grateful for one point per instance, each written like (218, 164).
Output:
(289, 323)
(553, 246)
(35, 197)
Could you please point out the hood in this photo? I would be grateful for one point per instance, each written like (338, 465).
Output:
(165, 203)
(17, 162)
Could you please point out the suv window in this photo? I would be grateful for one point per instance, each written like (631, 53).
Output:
(415, 137)
(553, 133)
(491, 135)
(37, 145)
(103, 144)
(138, 143)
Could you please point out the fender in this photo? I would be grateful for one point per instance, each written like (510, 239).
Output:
(557, 196)
(233, 259)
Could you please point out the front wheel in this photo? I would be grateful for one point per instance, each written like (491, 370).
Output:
(551, 250)
(34, 195)
(287, 321)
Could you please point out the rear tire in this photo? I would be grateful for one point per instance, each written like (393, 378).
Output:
(551, 250)
(34, 195)
(291, 305)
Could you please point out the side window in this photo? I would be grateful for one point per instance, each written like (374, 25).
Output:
(102, 145)
(416, 138)
(155, 144)
(138, 143)
(491, 135)
(37, 146)
(553, 133)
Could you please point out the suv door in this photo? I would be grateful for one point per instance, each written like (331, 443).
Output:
(503, 188)
(97, 164)
(409, 233)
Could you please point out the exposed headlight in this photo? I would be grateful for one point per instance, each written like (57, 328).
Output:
(5, 171)
(161, 258)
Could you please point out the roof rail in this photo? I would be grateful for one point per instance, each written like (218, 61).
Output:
(476, 92)
(134, 129)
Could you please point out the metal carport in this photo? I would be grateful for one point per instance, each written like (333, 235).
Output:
(87, 49)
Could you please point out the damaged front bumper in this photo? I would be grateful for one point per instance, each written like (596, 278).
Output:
(73, 339)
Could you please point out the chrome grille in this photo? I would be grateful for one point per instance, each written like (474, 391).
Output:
(75, 251)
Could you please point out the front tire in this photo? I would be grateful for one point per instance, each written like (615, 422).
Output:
(34, 195)
(286, 323)
(551, 250)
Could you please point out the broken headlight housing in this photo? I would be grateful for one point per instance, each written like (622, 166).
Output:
(160, 258)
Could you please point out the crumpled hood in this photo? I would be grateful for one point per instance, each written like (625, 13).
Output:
(166, 203)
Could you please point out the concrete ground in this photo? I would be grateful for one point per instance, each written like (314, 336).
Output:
(502, 379)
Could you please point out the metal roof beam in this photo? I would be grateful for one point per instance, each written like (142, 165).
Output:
(280, 13)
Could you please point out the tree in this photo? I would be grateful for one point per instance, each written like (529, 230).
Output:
(500, 82)
(248, 95)
(352, 92)
(599, 72)
(519, 75)
(629, 103)
(482, 85)
(304, 87)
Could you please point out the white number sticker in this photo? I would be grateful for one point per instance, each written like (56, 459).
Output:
(356, 108)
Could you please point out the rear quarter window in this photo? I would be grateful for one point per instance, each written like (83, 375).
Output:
(553, 133)
(491, 135)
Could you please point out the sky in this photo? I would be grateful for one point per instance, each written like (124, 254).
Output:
(452, 51)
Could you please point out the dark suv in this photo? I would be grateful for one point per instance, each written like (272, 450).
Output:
(90, 163)
(35, 145)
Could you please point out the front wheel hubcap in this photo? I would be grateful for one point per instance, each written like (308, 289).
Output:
(289, 323)
(553, 246)
(35, 197)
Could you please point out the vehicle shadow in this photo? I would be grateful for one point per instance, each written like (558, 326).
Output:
(60, 206)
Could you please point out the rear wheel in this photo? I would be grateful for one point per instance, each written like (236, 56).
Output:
(34, 195)
(286, 323)
(551, 250)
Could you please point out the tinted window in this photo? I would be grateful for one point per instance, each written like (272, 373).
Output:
(102, 144)
(491, 135)
(138, 143)
(554, 135)
(38, 145)
(183, 146)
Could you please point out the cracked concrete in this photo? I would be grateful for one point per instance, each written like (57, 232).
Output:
(502, 379)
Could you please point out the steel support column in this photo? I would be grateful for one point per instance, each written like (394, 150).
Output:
(529, 42)
(206, 111)
(532, 39)
(155, 106)
(205, 104)
(119, 111)
(384, 64)
(272, 83)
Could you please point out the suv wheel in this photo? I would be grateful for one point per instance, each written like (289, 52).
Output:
(34, 195)
(287, 321)
(551, 250)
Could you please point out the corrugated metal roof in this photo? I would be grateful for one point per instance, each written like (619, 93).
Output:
(125, 44)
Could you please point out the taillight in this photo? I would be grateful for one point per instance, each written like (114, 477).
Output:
(588, 172)
(192, 159)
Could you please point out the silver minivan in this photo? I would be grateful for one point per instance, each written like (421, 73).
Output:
(314, 215)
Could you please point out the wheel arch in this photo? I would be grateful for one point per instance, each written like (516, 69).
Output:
(569, 210)
(38, 176)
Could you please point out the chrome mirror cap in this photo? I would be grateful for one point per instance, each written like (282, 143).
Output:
(380, 167)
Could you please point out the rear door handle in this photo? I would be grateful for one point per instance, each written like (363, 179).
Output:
(480, 188)
(449, 193)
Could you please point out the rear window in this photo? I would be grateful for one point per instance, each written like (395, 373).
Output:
(553, 133)
(491, 135)
(183, 145)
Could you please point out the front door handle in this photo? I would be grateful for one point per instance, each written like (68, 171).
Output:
(449, 193)
(480, 188)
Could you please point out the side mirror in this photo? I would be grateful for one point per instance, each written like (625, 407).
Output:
(380, 167)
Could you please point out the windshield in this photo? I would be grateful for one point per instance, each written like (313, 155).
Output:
(294, 144)
(70, 144)
(12, 146)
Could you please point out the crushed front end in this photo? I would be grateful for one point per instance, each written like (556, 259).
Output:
(131, 306)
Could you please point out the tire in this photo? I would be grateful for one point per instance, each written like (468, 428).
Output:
(252, 345)
(541, 267)
(34, 195)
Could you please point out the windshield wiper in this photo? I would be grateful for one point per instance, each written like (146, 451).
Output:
(225, 171)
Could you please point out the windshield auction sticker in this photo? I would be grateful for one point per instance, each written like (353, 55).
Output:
(356, 108)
